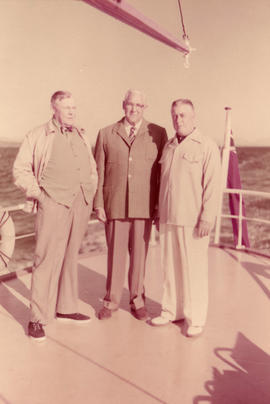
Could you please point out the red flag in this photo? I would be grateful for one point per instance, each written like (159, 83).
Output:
(234, 181)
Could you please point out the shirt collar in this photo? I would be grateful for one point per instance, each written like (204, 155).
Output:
(61, 128)
(54, 124)
(194, 135)
(128, 125)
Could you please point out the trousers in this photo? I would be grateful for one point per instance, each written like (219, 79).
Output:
(184, 258)
(59, 233)
(125, 237)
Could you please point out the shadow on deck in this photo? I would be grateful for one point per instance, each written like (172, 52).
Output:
(123, 360)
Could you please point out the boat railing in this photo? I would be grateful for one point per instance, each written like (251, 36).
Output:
(5, 270)
(91, 221)
(20, 207)
(240, 217)
(218, 230)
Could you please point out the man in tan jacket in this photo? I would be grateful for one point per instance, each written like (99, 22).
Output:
(127, 155)
(189, 190)
(57, 171)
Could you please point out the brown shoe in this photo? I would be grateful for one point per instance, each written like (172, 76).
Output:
(140, 314)
(73, 317)
(104, 313)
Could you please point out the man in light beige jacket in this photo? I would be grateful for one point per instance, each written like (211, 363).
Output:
(190, 173)
(57, 171)
(127, 155)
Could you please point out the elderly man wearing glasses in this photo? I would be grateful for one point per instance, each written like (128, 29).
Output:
(127, 154)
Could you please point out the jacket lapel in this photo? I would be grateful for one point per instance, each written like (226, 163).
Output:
(120, 130)
(196, 136)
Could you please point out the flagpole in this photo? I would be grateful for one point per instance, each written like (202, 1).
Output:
(224, 169)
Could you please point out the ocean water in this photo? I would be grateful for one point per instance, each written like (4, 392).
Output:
(254, 172)
(253, 164)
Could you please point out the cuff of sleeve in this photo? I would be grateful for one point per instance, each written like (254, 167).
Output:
(207, 218)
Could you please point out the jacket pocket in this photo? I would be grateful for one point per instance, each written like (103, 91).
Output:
(192, 157)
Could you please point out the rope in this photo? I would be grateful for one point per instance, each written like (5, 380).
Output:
(4, 258)
(185, 37)
(182, 20)
(4, 218)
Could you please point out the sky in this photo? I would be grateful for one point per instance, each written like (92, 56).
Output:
(50, 45)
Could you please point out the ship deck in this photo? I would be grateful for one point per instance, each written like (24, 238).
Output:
(125, 361)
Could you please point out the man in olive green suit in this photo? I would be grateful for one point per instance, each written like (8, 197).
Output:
(127, 155)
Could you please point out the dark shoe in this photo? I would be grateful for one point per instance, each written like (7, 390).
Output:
(35, 331)
(104, 313)
(73, 317)
(140, 314)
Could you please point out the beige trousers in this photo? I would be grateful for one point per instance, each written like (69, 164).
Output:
(59, 233)
(123, 237)
(185, 264)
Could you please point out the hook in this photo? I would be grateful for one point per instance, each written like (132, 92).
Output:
(190, 49)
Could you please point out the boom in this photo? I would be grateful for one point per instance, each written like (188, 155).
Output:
(124, 12)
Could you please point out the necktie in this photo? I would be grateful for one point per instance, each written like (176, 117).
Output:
(66, 129)
(131, 134)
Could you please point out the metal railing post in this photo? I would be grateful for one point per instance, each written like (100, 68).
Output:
(240, 220)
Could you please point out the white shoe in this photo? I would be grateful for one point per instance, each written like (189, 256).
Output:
(160, 320)
(194, 331)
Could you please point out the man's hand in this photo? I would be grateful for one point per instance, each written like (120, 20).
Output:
(101, 215)
(156, 222)
(203, 228)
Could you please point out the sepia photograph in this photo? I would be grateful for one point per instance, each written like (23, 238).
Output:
(135, 202)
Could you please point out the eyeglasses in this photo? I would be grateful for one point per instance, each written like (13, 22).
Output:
(131, 105)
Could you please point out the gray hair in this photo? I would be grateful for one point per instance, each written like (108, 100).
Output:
(138, 92)
(60, 95)
(185, 101)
